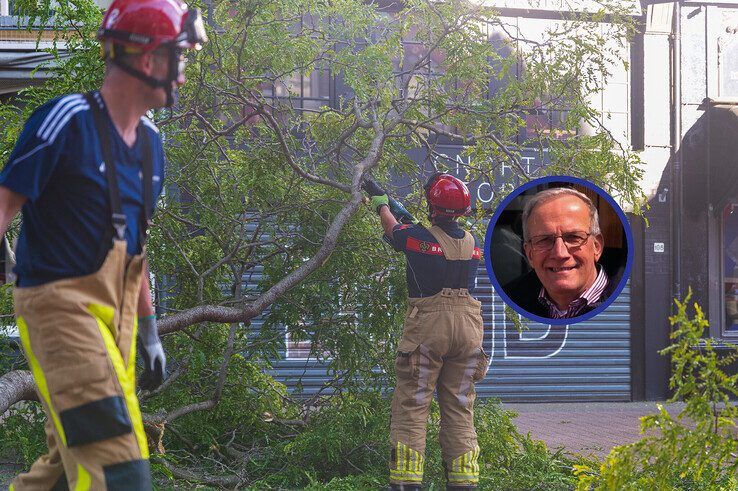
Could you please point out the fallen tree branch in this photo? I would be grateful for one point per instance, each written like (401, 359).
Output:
(202, 478)
(16, 386)
(216, 313)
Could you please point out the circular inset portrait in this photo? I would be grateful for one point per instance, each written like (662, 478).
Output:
(558, 250)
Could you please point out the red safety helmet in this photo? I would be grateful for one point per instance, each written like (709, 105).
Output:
(144, 25)
(447, 196)
(140, 26)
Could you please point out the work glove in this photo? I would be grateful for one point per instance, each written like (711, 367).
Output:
(377, 202)
(155, 363)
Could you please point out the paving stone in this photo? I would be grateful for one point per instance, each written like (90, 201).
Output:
(590, 428)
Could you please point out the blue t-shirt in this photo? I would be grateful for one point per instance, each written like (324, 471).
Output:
(57, 164)
(426, 265)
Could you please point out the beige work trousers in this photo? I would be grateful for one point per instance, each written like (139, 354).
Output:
(79, 337)
(441, 350)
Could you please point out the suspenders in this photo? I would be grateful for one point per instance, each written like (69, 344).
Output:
(458, 254)
(117, 228)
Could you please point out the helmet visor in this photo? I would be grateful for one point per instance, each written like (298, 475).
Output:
(193, 31)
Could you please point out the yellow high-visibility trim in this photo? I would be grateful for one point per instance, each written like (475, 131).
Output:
(409, 464)
(11, 488)
(465, 468)
(104, 316)
(398, 476)
(84, 480)
(38, 376)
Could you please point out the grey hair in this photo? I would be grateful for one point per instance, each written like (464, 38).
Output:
(548, 195)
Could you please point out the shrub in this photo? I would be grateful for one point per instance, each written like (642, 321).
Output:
(22, 434)
(695, 450)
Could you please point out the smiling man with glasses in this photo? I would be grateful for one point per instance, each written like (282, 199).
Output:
(563, 244)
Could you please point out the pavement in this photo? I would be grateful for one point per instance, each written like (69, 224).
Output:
(586, 428)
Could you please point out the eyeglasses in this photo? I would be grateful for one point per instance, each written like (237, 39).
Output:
(543, 243)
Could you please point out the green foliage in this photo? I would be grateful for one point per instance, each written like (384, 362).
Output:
(344, 445)
(22, 434)
(250, 399)
(350, 442)
(11, 357)
(345, 441)
(514, 461)
(6, 305)
(10, 351)
(696, 449)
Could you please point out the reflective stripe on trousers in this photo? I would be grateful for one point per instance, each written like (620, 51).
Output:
(464, 469)
(440, 351)
(79, 336)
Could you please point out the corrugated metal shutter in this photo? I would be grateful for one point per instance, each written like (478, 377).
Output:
(306, 374)
(588, 361)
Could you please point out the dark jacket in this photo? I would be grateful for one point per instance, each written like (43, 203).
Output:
(524, 290)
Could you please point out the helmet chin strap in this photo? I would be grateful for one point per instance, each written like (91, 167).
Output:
(155, 83)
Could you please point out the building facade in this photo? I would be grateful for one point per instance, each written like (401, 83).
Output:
(589, 361)
(689, 147)
(677, 105)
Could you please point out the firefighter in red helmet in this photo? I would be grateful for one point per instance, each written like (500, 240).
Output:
(441, 345)
(87, 171)
(164, 27)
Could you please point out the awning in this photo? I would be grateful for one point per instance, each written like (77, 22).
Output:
(17, 68)
(722, 140)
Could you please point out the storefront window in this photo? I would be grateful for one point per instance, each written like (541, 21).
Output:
(727, 54)
(297, 349)
(306, 91)
(730, 268)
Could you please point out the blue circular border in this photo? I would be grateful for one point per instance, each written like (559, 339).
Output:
(488, 257)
